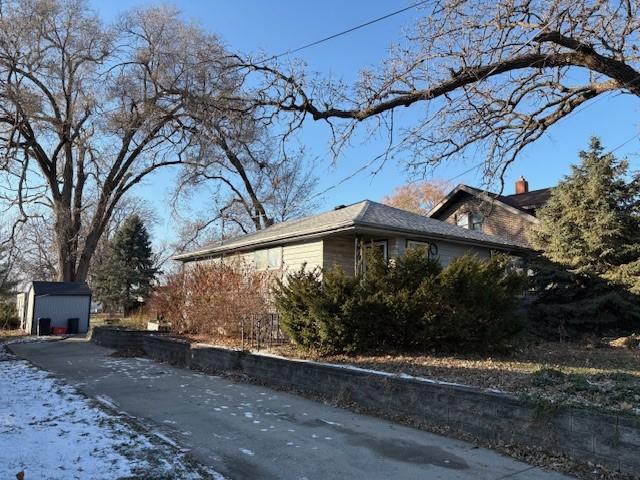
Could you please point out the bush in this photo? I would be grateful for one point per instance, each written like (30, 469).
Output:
(407, 303)
(8, 316)
(480, 298)
(567, 304)
(211, 299)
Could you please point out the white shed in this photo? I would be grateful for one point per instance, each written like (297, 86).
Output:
(58, 301)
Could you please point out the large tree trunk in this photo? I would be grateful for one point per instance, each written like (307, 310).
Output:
(63, 232)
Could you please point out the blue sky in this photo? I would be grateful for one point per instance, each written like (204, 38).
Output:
(277, 26)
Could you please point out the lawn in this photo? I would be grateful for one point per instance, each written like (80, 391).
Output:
(602, 377)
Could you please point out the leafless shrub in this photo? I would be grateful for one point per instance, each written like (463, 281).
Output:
(211, 299)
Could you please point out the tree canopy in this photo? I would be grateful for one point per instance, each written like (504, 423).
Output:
(485, 79)
(418, 197)
(88, 110)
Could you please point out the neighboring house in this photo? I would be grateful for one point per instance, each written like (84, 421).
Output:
(338, 237)
(57, 301)
(507, 216)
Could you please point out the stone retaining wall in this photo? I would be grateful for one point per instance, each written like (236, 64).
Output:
(610, 440)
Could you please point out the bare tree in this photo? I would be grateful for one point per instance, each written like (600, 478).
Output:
(489, 78)
(418, 197)
(251, 181)
(32, 250)
(89, 110)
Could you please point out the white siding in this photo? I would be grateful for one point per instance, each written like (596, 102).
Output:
(340, 252)
(296, 255)
(448, 251)
(59, 308)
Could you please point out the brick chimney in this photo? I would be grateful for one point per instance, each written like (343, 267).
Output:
(522, 186)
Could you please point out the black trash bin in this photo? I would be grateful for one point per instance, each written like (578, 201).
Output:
(73, 326)
(44, 326)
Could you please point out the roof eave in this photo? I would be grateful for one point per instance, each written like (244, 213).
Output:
(189, 257)
(436, 236)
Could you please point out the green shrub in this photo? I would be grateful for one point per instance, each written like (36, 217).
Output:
(567, 304)
(481, 297)
(8, 316)
(407, 303)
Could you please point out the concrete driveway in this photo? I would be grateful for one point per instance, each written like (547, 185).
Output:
(251, 432)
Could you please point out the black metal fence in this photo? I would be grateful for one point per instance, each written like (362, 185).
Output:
(262, 330)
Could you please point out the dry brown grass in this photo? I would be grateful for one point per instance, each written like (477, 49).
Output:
(566, 373)
(10, 334)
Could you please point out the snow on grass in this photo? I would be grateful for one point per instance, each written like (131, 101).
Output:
(49, 430)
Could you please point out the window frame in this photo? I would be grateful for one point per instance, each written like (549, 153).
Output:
(267, 259)
(472, 224)
(464, 216)
(432, 248)
(385, 247)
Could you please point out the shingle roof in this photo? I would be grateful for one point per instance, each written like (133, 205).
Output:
(60, 288)
(522, 203)
(519, 200)
(361, 215)
(534, 198)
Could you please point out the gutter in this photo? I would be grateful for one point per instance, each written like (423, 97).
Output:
(452, 239)
(199, 255)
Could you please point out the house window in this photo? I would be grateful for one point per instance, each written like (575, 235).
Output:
(268, 259)
(462, 220)
(380, 245)
(415, 244)
(476, 220)
(430, 248)
(274, 258)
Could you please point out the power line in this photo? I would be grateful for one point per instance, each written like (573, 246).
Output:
(484, 77)
(344, 32)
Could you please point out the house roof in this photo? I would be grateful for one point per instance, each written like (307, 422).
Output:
(365, 215)
(528, 200)
(60, 288)
(520, 204)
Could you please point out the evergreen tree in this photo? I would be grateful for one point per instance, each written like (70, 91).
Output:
(6, 284)
(128, 269)
(589, 235)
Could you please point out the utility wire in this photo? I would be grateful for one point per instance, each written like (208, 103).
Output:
(369, 163)
(344, 32)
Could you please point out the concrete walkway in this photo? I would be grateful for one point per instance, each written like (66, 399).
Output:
(251, 432)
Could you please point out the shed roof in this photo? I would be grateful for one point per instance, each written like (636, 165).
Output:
(60, 288)
(362, 215)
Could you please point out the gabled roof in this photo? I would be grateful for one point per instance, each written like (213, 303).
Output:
(519, 204)
(59, 288)
(365, 215)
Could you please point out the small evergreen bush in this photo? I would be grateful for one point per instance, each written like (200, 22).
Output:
(480, 298)
(405, 304)
(8, 316)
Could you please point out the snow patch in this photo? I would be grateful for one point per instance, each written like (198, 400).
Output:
(73, 437)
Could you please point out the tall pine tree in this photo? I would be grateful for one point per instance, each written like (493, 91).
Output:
(126, 274)
(589, 236)
(6, 283)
